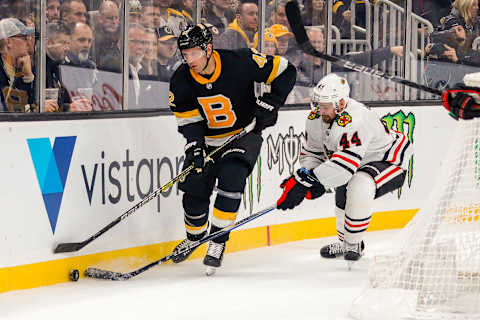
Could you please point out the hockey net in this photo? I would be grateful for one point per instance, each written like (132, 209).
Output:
(432, 270)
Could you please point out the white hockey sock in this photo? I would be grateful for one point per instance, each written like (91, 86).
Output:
(358, 209)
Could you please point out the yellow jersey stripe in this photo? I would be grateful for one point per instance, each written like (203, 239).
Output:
(187, 114)
(223, 135)
(274, 73)
(196, 228)
(223, 215)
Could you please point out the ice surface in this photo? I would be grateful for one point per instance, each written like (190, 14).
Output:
(289, 281)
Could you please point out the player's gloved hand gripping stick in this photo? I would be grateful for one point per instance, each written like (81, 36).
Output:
(75, 246)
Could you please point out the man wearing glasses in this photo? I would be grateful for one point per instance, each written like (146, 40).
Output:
(16, 76)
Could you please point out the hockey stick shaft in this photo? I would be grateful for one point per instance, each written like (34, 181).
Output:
(296, 23)
(112, 275)
(75, 246)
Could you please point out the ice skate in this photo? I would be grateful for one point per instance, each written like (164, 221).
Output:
(214, 257)
(353, 253)
(181, 247)
(333, 250)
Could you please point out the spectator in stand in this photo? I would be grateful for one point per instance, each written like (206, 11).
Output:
(283, 37)
(241, 31)
(269, 41)
(149, 61)
(452, 44)
(150, 16)
(166, 55)
(57, 44)
(185, 7)
(107, 35)
(80, 45)
(342, 15)
(170, 17)
(219, 14)
(467, 10)
(53, 10)
(277, 13)
(136, 48)
(135, 12)
(78, 56)
(72, 11)
(313, 12)
(16, 76)
(310, 69)
(432, 10)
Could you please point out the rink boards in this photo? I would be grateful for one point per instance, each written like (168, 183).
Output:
(65, 180)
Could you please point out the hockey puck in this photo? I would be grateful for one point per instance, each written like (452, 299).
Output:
(74, 275)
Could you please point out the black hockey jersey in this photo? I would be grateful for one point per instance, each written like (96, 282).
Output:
(17, 96)
(218, 107)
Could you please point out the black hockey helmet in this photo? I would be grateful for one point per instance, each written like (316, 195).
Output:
(195, 36)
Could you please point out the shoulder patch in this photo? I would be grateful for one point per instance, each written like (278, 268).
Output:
(343, 119)
(313, 114)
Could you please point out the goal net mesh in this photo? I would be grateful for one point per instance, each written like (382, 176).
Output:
(432, 268)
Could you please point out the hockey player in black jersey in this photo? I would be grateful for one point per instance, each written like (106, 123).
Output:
(212, 97)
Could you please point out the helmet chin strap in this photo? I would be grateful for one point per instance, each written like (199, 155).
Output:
(206, 63)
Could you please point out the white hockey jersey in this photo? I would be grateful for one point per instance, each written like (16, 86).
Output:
(356, 137)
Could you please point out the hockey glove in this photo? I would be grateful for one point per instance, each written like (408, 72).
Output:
(313, 193)
(195, 154)
(460, 101)
(297, 187)
(266, 114)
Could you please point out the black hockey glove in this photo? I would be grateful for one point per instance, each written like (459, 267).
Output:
(195, 154)
(460, 101)
(266, 114)
(297, 187)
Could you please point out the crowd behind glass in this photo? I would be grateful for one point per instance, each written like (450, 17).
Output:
(84, 42)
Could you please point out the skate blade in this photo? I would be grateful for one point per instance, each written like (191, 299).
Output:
(350, 265)
(210, 271)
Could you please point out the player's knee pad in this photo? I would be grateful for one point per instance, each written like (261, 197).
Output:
(196, 215)
(199, 184)
(360, 198)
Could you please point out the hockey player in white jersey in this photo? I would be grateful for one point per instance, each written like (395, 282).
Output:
(349, 149)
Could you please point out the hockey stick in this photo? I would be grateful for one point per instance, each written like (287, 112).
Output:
(75, 246)
(296, 23)
(112, 275)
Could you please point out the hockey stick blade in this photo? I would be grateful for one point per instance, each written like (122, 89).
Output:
(112, 275)
(75, 246)
(298, 29)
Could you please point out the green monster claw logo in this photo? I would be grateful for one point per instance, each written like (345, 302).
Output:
(405, 124)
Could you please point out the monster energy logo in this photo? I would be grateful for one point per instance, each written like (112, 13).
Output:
(405, 124)
(477, 163)
(283, 151)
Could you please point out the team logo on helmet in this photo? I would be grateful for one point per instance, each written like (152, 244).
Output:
(343, 119)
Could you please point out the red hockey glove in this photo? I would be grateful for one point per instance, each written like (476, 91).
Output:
(313, 193)
(460, 101)
(296, 189)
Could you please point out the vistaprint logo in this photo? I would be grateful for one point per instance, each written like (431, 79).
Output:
(51, 166)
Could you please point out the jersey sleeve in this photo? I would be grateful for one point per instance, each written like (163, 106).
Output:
(312, 153)
(190, 121)
(351, 146)
(275, 71)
